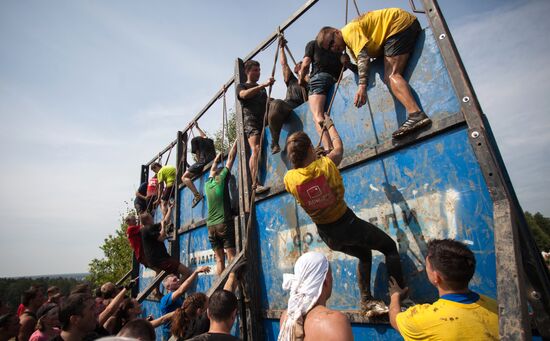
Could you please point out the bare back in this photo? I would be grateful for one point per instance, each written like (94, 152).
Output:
(322, 324)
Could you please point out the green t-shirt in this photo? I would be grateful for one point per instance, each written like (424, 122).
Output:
(217, 197)
(167, 174)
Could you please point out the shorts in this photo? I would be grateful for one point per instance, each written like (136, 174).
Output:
(321, 83)
(196, 168)
(167, 193)
(222, 236)
(169, 265)
(252, 129)
(402, 42)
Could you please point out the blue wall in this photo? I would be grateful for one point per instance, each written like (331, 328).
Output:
(431, 189)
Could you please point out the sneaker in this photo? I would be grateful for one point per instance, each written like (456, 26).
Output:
(275, 149)
(372, 307)
(197, 199)
(261, 189)
(415, 121)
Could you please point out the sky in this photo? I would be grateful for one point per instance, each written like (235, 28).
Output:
(90, 90)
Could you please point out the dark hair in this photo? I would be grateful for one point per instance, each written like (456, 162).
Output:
(297, 146)
(221, 305)
(144, 216)
(322, 33)
(139, 329)
(73, 305)
(188, 312)
(453, 260)
(249, 64)
(156, 165)
(83, 288)
(28, 296)
(50, 311)
(53, 290)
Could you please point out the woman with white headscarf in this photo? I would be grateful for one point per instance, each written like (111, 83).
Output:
(306, 317)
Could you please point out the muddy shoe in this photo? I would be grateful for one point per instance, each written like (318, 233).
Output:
(261, 189)
(275, 149)
(372, 308)
(415, 121)
(196, 200)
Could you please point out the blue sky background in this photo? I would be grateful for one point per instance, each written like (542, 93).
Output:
(89, 90)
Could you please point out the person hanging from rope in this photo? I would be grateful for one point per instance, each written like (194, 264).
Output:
(253, 99)
(221, 230)
(154, 250)
(316, 183)
(279, 109)
(326, 67)
(390, 33)
(203, 151)
(166, 176)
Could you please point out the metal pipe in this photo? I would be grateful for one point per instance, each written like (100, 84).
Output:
(305, 7)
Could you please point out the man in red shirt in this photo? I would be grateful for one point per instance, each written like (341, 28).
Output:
(134, 237)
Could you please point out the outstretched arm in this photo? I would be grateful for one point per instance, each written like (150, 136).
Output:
(187, 284)
(162, 320)
(304, 70)
(396, 294)
(287, 72)
(232, 154)
(338, 147)
(112, 307)
(200, 130)
(246, 94)
(363, 62)
(215, 164)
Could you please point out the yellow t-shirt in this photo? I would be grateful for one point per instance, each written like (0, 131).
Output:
(319, 190)
(372, 29)
(448, 320)
(167, 174)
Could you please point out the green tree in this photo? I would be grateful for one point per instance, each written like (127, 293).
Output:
(540, 227)
(117, 260)
(230, 133)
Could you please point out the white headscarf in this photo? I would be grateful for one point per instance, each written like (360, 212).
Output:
(305, 287)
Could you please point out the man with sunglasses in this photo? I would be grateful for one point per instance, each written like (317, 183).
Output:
(391, 34)
(326, 66)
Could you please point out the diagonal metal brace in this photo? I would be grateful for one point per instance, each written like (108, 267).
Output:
(143, 295)
(220, 281)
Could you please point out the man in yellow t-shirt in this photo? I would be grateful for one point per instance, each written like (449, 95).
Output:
(166, 176)
(459, 314)
(390, 33)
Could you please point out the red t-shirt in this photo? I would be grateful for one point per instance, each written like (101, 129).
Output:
(20, 309)
(134, 237)
(152, 186)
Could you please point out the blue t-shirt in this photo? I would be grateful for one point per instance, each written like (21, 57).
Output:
(167, 305)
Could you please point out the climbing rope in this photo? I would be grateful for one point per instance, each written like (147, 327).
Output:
(324, 129)
(287, 49)
(225, 126)
(256, 166)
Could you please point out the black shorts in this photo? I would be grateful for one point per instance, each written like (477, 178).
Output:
(222, 236)
(167, 193)
(252, 130)
(402, 42)
(196, 168)
(169, 265)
